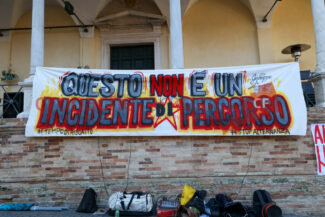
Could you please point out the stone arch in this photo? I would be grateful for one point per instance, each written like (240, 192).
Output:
(61, 46)
(219, 33)
(117, 6)
(190, 3)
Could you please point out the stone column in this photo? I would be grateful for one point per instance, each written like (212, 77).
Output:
(318, 78)
(37, 43)
(176, 35)
(37, 53)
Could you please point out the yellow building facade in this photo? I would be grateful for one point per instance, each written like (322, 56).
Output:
(215, 33)
(179, 34)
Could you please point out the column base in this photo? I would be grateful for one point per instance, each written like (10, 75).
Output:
(318, 80)
(23, 115)
(28, 87)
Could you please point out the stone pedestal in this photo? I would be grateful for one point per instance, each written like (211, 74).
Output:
(28, 91)
(319, 87)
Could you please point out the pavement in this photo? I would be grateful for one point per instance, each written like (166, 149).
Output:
(64, 213)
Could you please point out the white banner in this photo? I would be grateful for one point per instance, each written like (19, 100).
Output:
(318, 131)
(232, 101)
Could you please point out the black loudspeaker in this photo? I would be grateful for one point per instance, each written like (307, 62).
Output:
(13, 104)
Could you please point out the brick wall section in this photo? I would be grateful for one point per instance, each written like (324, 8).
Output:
(56, 171)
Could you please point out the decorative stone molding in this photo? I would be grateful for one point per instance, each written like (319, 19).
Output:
(5, 36)
(88, 34)
(130, 27)
(129, 13)
(109, 38)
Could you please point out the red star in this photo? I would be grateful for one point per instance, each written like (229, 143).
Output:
(170, 119)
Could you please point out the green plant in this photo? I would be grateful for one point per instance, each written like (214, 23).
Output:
(8, 75)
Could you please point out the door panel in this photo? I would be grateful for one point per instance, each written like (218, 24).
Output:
(132, 57)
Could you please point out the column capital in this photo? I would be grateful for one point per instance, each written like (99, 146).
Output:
(317, 76)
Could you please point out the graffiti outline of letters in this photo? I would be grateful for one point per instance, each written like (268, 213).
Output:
(320, 163)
